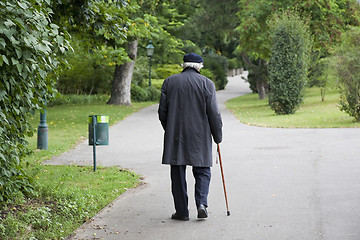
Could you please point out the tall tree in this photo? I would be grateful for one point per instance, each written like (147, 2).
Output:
(254, 40)
(121, 86)
(327, 19)
(111, 29)
(163, 22)
(211, 25)
(171, 16)
(114, 29)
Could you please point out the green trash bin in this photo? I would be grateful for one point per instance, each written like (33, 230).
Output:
(101, 130)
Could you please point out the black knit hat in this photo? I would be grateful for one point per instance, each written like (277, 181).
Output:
(192, 57)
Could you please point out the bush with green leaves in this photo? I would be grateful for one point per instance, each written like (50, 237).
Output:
(85, 77)
(218, 65)
(235, 63)
(78, 99)
(30, 46)
(138, 94)
(157, 83)
(164, 71)
(347, 71)
(207, 73)
(289, 62)
(143, 94)
(153, 93)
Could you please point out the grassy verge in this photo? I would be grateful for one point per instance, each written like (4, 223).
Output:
(313, 113)
(65, 196)
(68, 124)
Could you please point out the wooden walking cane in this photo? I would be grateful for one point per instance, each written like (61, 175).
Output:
(223, 180)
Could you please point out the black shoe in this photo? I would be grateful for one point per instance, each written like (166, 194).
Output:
(202, 212)
(177, 216)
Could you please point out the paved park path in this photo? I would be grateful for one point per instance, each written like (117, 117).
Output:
(282, 184)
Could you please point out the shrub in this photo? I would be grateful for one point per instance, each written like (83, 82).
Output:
(234, 63)
(30, 50)
(167, 70)
(207, 73)
(78, 99)
(347, 71)
(218, 65)
(153, 94)
(149, 93)
(138, 94)
(85, 75)
(157, 83)
(289, 63)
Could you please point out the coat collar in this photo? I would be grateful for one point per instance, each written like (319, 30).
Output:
(190, 69)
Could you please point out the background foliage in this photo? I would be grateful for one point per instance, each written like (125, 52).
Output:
(34, 35)
(347, 71)
(327, 20)
(218, 66)
(30, 46)
(86, 74)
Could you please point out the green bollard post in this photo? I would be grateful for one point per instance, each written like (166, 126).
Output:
(42, 140)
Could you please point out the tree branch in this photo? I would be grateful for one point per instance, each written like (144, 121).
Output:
(247, 60)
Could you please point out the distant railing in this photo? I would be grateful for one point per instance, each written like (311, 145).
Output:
(234, 72)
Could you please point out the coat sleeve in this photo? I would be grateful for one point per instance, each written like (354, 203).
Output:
(213, 113)
(163, 108)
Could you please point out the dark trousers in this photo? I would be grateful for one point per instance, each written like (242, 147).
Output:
(202, 177)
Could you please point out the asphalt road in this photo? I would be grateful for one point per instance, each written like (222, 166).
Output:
(282, 184)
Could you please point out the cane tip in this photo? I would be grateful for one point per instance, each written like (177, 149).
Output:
(228, 213)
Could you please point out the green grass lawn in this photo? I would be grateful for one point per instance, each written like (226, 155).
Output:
(312, 114)
(68, 124)
(65, 197)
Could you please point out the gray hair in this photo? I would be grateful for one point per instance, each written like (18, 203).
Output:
(197, 66)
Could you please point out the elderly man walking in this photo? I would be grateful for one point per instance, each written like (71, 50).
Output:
(189, 114)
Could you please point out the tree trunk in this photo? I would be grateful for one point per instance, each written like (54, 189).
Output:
(261, 88)
(259, 75)
(322, 91)
(121, 87)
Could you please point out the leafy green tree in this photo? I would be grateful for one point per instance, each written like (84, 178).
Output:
(163, 24)
(254, 40)
(347, 71)
(121, 86)
(327, 20)
(289, 62)
(171, 16)
(30, 49)
(113, 31)
(320, 73)
(211, 25)
(207, 28)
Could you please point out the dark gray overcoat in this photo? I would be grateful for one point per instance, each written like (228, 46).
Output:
(189, 114)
